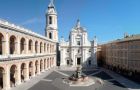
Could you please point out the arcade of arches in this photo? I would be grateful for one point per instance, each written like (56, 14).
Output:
(12, 74)
(23, 56)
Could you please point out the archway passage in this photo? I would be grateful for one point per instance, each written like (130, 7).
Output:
(36, 67)
(22, 46)
(41, 65)
(1, 44)
(45, 64)
(30, 69)
(12, 44)
(13, 75)
(1, 77)
(23, 72)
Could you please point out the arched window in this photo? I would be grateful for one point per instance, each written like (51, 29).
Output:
(50, 19)
(22, 46)
(36, 47)
(50, 35)
(30, 45)
(12, 44)
(41, 47)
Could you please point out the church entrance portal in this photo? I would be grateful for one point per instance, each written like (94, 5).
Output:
(78, 61)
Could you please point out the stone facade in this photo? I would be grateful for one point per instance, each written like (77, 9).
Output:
(122, 54)
(24, 54)
(78, 50)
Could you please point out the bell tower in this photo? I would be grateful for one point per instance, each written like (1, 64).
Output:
(51, 30)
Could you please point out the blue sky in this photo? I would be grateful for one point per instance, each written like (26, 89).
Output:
(106, 19)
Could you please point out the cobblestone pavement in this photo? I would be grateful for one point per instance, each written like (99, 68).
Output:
(52, 81)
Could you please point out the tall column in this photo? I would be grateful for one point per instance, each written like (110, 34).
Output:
(26, 46)
(6, 79)
(33, 47)
(18, 46)
(6, 45)
(18, 77)
(38, 48)
(38, 68)
(33, 72)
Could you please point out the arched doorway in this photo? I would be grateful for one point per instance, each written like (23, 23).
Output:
(13, 75)
(22, 46)
(1, 44)
(30, 69)
(50, 61)
(1, 77)
(23, 72)
(41, 65)
(12, 44)
(36, 67)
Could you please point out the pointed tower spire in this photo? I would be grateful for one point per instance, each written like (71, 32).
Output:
(78, 23)
(51, 5)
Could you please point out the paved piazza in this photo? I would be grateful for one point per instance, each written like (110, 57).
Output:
(52, 80)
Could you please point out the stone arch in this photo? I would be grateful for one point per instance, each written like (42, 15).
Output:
(23, 71)
(41, 65)
(31, 69)
(1, 77)
(13, 75)
(22, 45)
(12, 44)
(30, 47)
(36, 66)
(36, 47)
(41, 47)
(1, 44)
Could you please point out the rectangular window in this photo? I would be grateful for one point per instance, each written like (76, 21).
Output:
(78, 43)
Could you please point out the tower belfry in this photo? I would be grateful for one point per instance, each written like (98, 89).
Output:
(51, 30)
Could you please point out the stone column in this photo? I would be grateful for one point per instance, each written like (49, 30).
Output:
(38, 68)
(6, 45)
(18, 78)
(18, 46)
(33, 72)
(38, 48)
(6, 79)
(33, 47)
(26, 46)
(43, 66)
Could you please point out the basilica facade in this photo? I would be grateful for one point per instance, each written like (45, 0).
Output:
(78, 50)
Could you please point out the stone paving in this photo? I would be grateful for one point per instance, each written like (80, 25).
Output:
(52, 80)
